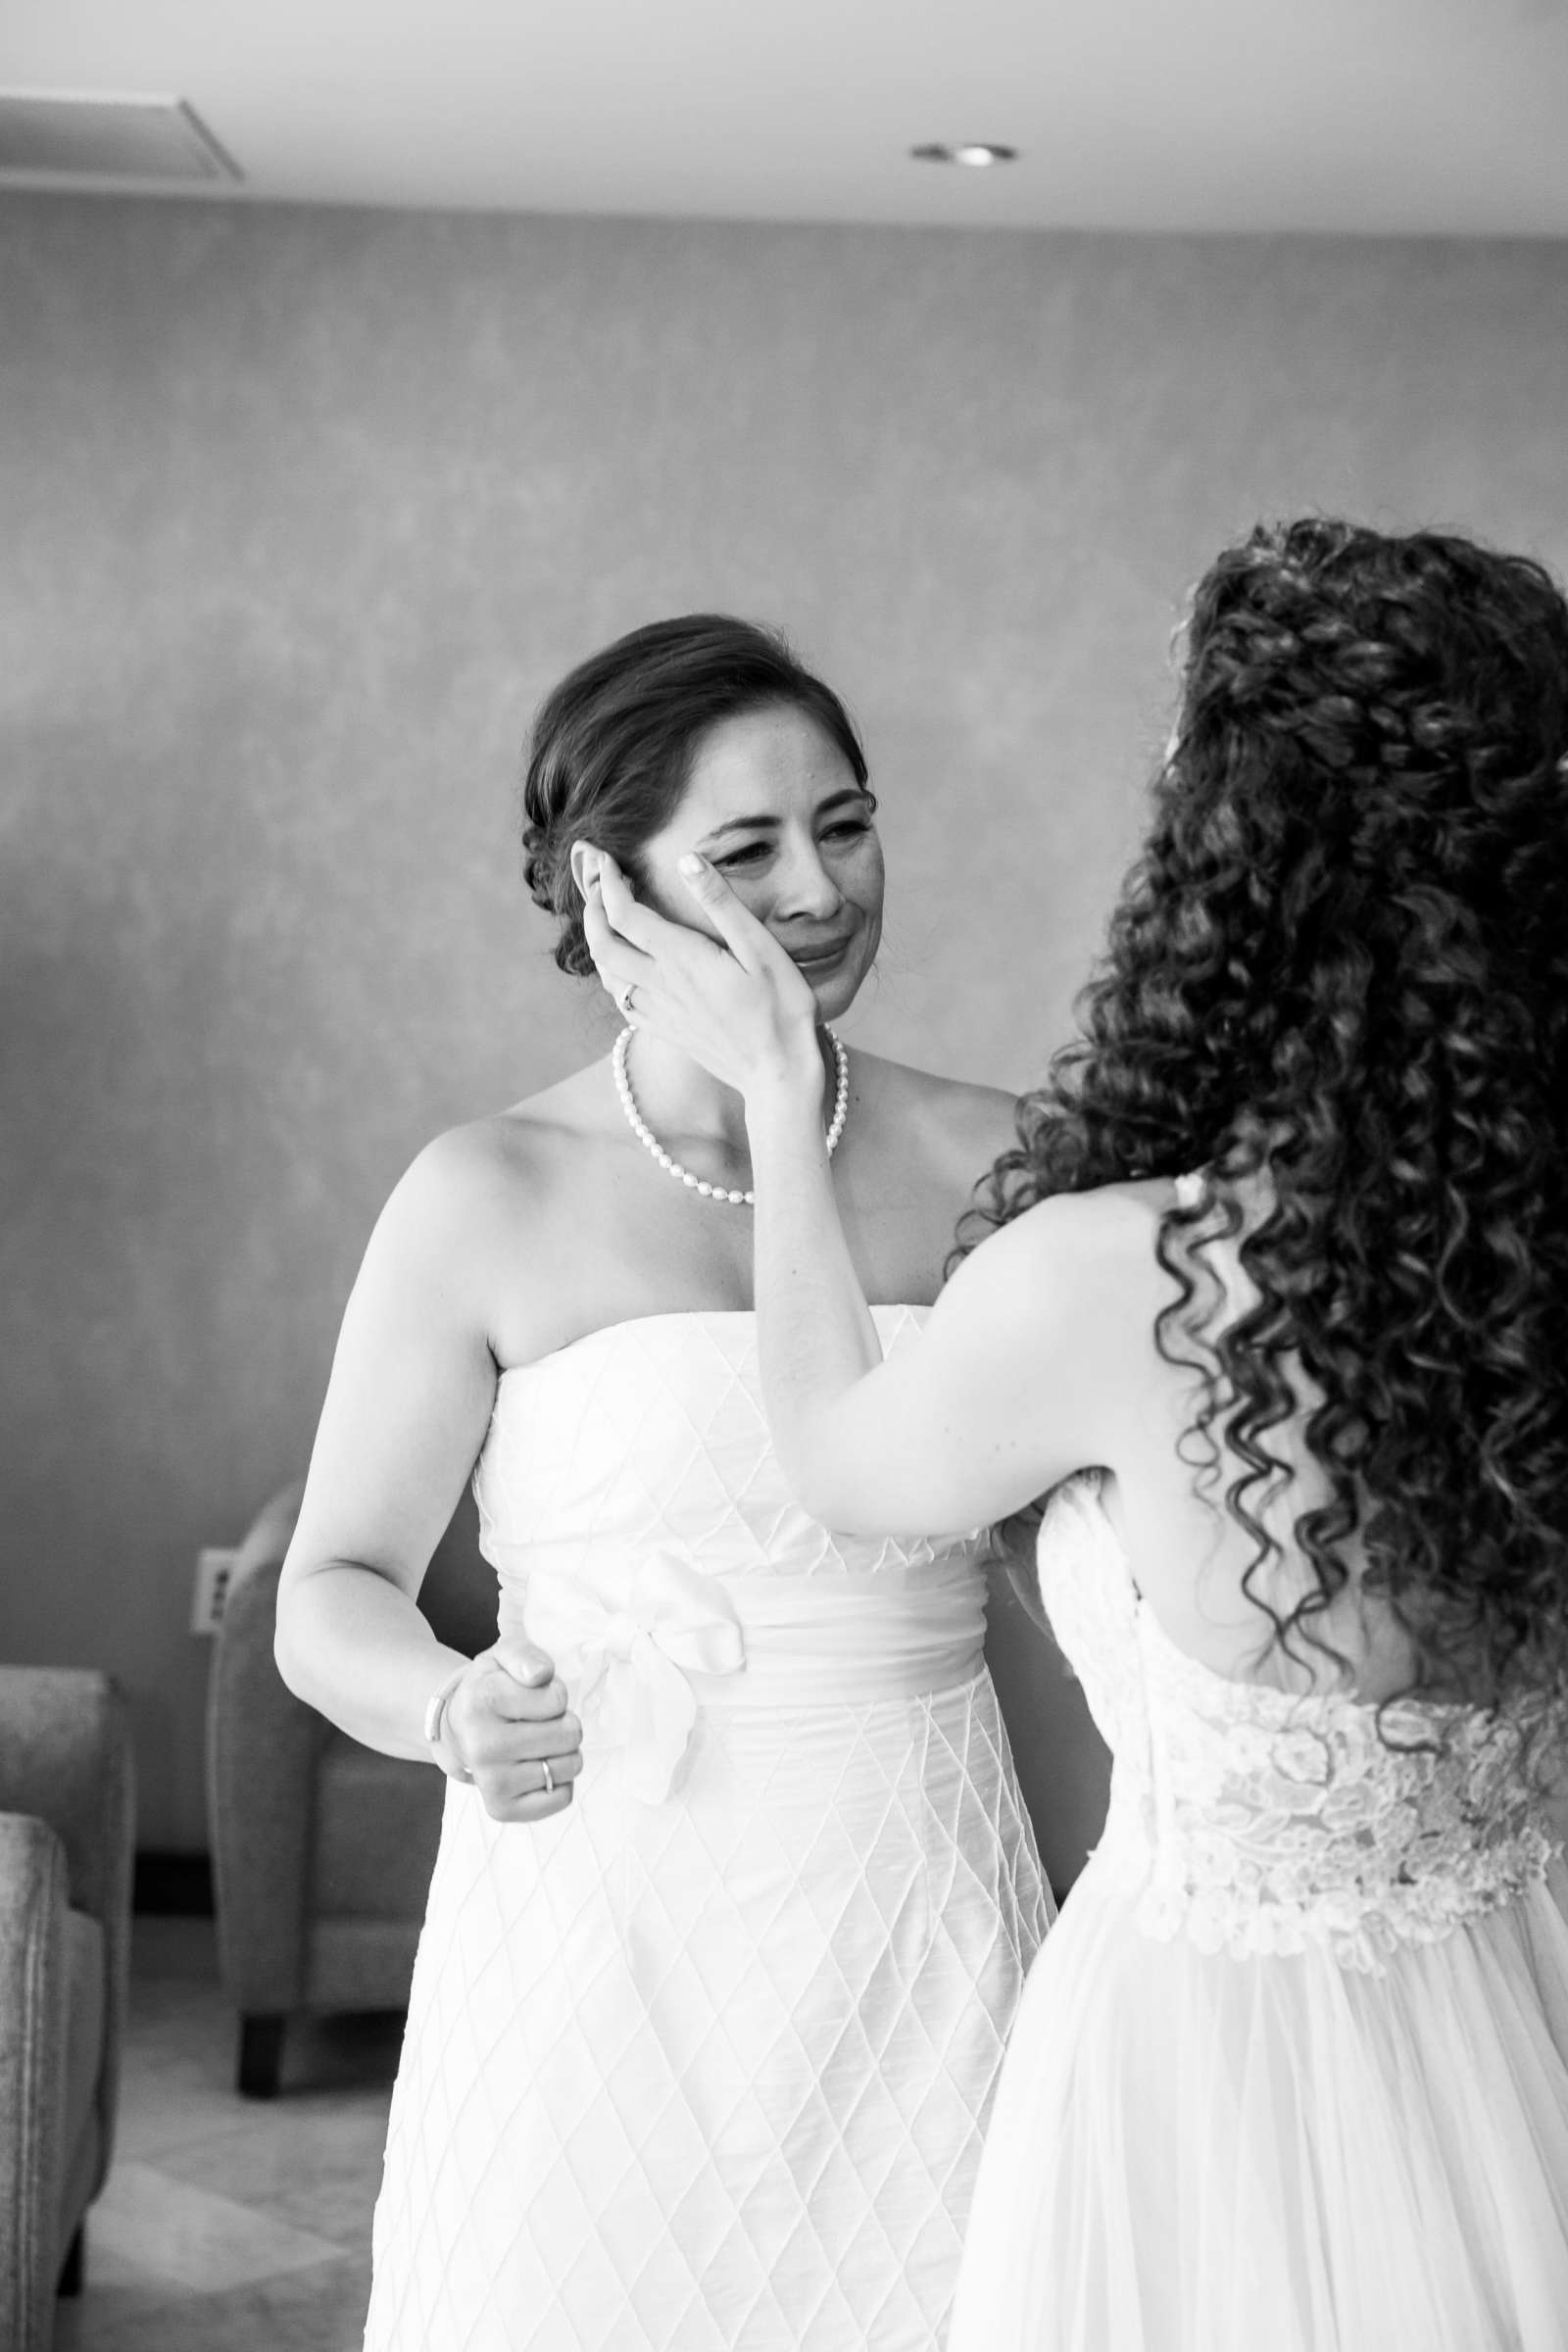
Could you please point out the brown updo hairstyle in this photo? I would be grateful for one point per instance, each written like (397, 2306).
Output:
(613, 745)
(1340, 961)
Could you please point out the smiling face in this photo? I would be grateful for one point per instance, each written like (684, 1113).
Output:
(774, 806)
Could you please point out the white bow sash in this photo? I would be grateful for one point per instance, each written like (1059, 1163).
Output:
(753, 1638)
(628, 1666)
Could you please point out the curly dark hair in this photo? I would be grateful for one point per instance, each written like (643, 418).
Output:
(613, 745)
(1341, 963)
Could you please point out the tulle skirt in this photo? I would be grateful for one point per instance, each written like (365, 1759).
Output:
(1191, 2152)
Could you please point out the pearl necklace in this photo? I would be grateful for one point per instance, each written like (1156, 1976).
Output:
(673, 1167)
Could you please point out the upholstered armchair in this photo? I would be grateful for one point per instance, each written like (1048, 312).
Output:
(67, 1846)
(321, 1849)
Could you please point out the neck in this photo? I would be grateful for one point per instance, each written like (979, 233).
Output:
(682, 1102)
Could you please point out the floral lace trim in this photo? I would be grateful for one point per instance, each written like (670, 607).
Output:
(1247, 1908)
(1262, 1822)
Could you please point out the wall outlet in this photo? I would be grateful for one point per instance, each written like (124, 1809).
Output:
(212, 1569)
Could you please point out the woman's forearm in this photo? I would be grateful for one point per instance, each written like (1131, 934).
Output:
(815, 1335)
(354, 1646)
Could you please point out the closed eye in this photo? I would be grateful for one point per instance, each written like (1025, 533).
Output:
(849, 828)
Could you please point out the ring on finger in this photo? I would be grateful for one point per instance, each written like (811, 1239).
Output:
(623, 997)
(550, 1777)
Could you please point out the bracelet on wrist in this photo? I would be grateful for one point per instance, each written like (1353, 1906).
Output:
(437, 1739)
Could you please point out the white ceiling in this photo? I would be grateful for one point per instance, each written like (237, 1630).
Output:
(1426, 117)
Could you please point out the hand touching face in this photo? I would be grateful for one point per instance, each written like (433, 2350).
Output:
(774, 808)
(719, 988)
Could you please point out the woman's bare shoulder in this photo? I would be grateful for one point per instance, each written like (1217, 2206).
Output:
(1122, 1219)
(971, 1123)
(1091, 1251)
(506, 1161)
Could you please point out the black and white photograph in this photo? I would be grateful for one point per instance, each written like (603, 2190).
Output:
(784, 1176)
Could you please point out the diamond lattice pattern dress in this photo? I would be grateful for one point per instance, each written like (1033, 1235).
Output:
(1290, 2074)
(703, 2062)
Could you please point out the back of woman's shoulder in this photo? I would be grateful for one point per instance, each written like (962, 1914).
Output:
(1101, 1242)
(1110, 1217)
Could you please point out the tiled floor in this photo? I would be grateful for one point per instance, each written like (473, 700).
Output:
(232, 2225)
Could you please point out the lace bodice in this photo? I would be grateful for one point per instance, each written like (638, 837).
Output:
(1260, 1821)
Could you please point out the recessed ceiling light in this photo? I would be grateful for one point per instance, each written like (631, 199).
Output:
(978, 155)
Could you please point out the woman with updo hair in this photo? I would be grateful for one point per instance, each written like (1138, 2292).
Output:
(1268, 1302)
(735, 1891)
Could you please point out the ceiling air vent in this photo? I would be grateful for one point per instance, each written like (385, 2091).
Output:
(50, 136)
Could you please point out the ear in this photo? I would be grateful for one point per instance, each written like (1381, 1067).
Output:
(584, 865)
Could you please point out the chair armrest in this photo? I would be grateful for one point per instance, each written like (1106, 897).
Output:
(272, 1531)
(67, 1758)
(34, 1891)
(262, 1748)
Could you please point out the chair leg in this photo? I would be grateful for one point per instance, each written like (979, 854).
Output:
(261, 2056)
(70, 2270)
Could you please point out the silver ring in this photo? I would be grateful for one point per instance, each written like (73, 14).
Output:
(623, 998)
(550, 1777)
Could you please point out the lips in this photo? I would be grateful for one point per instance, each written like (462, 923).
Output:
(829, 954)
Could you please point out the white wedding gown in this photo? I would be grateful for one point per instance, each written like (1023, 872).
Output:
(1290, 2074)
(703, 2063)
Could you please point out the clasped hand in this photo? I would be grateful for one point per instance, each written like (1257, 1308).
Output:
(734, 1002)
(507, 1719)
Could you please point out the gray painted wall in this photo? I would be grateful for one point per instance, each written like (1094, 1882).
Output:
(302, 510)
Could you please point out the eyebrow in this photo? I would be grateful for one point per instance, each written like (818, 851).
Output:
(853, 797)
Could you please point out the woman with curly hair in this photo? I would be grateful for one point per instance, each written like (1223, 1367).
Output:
(1274, 1315)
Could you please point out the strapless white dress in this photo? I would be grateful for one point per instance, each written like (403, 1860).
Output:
(703, 2062)
(1290, 2074)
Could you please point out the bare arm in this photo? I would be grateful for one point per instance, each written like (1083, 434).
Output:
(1013, 1387)
(1022, 1374)
(406, 1407)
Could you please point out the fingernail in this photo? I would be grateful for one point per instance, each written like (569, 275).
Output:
(691, 864)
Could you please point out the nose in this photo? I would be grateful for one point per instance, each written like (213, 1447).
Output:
(803, 885)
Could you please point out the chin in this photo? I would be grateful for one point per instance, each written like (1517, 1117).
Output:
(837, 991)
